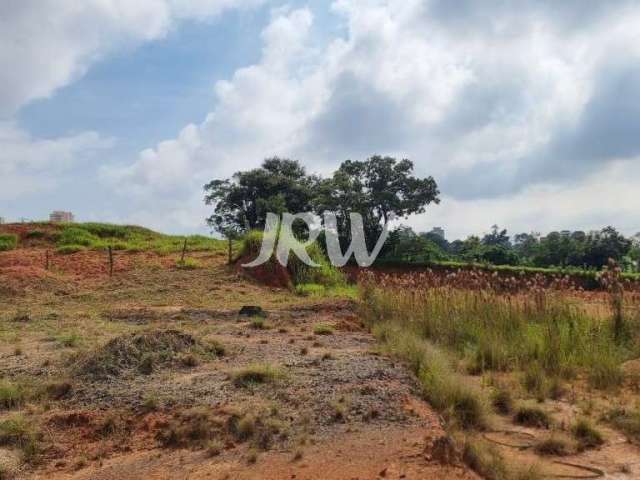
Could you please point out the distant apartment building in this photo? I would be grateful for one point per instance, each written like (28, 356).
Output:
(61, 217)
(1, 220)
(438, 231)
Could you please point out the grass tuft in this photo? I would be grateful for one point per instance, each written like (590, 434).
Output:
(257, 374)
(532, 417)
(586, 435)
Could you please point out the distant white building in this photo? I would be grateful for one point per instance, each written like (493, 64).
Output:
(61, 217)
(1, 220)
(438, 231)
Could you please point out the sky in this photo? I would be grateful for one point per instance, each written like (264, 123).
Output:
(526, 113)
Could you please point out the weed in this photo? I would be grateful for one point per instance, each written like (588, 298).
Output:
(552, 446)
(57, 390)
(69, 249)
(258, 323)
(188, 264)
(147, 364)
(8, 242)
(502, 401)
(586, 435)
(484, 460)
(11, 395)
(323, 329)
(627, 421)
(150, 403)
(440, 385)
(533, 381)
(69, 340)
(214, 448)
(17, 432)
(256, 374)
(189, 360)
(532, 417)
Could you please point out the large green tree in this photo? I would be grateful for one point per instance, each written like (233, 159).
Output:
(378, 188)
(242, 202)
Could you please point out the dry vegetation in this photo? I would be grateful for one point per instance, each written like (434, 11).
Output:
(155, 370)
(547, 357)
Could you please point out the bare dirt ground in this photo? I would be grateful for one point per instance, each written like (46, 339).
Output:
(147, 372)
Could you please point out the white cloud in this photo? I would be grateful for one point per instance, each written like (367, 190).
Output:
(32, 166)
(487, 88)
(47, 44)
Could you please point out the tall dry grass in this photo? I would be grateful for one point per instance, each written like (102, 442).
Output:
(494, 329)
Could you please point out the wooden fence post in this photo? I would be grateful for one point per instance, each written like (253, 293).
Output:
(230, 250)
(110, 261)
(184, 250)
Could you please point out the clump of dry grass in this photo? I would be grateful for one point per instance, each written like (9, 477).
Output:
(141, 352)
(625, 420)
(256, 374)
(586, 435)
(553, 446)
(532, 417)
(18, 433)
(441, 385)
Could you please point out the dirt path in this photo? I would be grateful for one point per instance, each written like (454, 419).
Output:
(344, 411)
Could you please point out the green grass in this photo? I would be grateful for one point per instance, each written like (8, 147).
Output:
(188, 264)
(552, 446)
(17, 432)
(70, 249)
(441, 386)
(8, 242)
(11, 395)
(323, 329)
(627, 421)
(99, 236)
(586, 434)
(532, 417)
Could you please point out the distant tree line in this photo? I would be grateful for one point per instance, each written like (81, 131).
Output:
(557, 249)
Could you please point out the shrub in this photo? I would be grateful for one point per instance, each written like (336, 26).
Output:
(258, 323)
(77, 236)
(586, 435)
(256, 374)
(69, 340)
(323, 329)
(627, 421)
(552, 446)
(533, 381)
(502, 401)
(188, 264)
(17, 432)
(484, 460)
(440, 385)
(532, 417)
(11, 395)
(69, 249)
(8, 242)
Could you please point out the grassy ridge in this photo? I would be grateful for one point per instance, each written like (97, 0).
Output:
(70, 238)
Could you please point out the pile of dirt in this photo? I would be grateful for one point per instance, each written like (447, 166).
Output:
(271, 274)
(138, 352)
